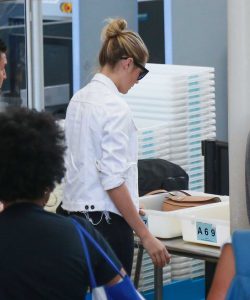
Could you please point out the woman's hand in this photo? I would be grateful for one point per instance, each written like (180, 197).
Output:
(156, 250)
(142, 212)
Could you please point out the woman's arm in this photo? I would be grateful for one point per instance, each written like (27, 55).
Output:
(224, 274)
(157, 251)
(117, 278)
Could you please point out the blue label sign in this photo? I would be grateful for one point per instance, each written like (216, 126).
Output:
(206, 232)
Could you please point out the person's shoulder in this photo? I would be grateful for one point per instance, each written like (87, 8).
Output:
(110, 93)
(85, 223)
(78, 94)
(91, 229)
(66, 222)
(241, 235)
(54, 217)
(114, 103)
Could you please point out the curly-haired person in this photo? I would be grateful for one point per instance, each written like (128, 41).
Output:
(41, 252)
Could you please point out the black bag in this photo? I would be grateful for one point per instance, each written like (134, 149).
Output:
(154, 174)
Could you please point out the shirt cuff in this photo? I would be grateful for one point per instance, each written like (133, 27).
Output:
(112, 182)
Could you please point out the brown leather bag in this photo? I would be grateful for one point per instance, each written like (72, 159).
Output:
(180, 199)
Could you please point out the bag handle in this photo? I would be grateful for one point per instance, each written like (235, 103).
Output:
(177, 194)
(83, 232)
(171, 193)
(160, 191)
(86, 253)
(183, 192)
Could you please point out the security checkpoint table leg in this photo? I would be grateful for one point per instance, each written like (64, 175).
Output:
(138, 266)
(158, 287)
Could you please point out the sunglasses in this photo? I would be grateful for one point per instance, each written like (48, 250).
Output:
(143, 72)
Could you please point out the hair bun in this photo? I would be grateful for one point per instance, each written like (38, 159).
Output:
(114, 28)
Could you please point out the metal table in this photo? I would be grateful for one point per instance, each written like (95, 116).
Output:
(178, 247)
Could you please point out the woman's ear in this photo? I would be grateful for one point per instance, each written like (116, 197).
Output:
(130, 61)
(126, 63)
(46, 195)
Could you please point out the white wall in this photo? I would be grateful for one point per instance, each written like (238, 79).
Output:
(87, 21)
(199, 37)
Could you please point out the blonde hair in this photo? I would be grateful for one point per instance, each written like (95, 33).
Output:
(119, 42)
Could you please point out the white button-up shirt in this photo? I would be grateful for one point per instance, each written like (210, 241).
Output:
(102, 148)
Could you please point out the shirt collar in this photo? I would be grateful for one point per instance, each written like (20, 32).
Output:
(106, 81)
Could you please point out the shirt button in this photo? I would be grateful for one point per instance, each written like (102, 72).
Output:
(86, 207)
(92, 206)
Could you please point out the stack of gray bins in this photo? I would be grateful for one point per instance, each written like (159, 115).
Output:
(181, 98)
(183, 268)
(153, 139)
(174, 110)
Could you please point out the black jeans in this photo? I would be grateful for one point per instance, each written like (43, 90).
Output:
(117, 233)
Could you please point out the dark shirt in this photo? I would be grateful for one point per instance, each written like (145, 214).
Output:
(41, 256)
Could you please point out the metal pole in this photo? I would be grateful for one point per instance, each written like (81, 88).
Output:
(158, 285)
(28, 52)
(34, 44)
(138, 266)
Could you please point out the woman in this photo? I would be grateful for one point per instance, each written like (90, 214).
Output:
(101, 178)
(41, 252)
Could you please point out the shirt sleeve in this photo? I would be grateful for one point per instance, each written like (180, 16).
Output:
(114, 164)
(103, 271)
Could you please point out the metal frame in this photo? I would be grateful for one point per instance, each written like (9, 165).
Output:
(34, 54)
(178, 247)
